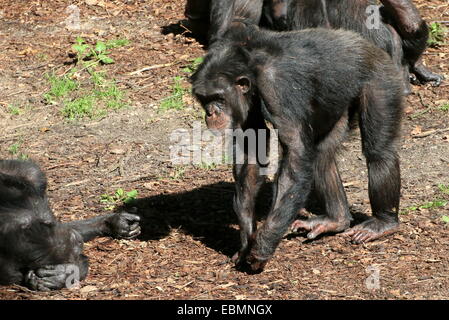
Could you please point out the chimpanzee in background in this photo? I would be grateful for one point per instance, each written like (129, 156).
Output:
(36, 250)
(309, 85)
(211, 18)
(402, 31)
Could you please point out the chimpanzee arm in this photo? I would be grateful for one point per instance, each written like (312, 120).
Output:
(117, 225)
(292, 186)
(249, 179)
(247, 185)
(295, 175)
(221, 16)
(223, 12)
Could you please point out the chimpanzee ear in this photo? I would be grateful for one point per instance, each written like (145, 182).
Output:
(243, 84)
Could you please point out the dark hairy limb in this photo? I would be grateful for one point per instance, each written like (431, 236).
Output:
(291, 188)
(55, 277)
(379, 134)
(328, 190)
(117, 225)
(414, 33)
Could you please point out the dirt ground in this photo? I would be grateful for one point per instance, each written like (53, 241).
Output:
(189, 229)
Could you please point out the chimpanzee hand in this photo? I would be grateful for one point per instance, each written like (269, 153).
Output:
(248, 257)
(52, 277)
(123, 225)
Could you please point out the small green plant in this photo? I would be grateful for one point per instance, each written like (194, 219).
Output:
(112, 96)
(120, 196)
(59, 87)
(445, 219)
(14, 150)
(178, 173)
(444, 107)
(433, 204)
(23, 156)
(443, 188)
(90, 55)
(207, 166)
(14, 110)
(437, 33)
(191, 68)
(79, 108)
(91, 98)
(42, 56)
(175, 100)
(428, 205)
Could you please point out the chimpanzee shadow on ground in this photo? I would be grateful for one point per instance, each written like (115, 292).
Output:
(205, 213)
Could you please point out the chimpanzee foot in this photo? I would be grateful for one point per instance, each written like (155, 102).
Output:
(51, 277)
(124, 225)
(371, 229)
(319, 225)
(424, 75)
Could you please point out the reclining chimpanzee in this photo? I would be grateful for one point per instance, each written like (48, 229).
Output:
(309, 85)
(36, 250)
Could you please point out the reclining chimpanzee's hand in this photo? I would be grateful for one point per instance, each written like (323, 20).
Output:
(123, 225)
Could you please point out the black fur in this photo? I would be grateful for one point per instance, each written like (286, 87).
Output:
(402, 31)
(308, 85)
(36, 250)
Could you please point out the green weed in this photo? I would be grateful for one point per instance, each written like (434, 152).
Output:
(437, 33)
(59, 87)
(93, 96)
(175, 100)
(14, 150)
(120, 196)
(14, 110)
(444, 107)
(191, 68)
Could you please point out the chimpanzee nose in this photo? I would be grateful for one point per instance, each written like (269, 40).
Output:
(210, 110)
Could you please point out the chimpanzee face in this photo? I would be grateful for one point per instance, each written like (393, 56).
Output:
(224, 101)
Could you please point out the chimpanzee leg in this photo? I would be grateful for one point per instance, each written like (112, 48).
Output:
(379, 125)
(425, 75)
(118, 225)
(397, 55)
(247, 185)
(328, 189)
(414, 33)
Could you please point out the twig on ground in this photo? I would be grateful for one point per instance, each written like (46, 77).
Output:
(155, 66)
(430, 132)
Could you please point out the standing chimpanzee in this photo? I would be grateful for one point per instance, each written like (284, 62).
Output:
(309, 85)
(36, 250)
(401, 32)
